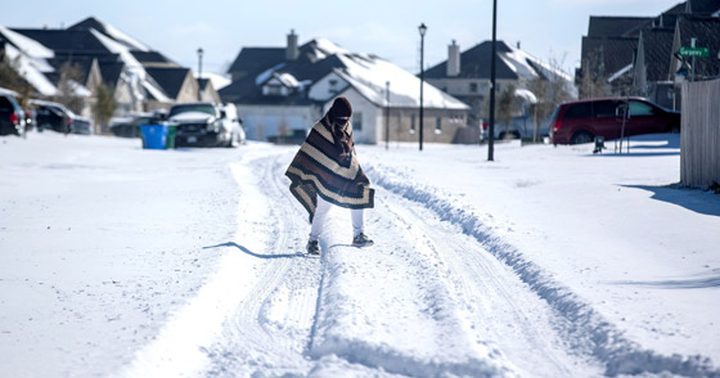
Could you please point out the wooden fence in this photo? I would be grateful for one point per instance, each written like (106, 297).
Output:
(700, 134)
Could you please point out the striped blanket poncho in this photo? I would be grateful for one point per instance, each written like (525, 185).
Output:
(319, 168)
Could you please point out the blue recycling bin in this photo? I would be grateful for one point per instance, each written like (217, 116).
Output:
(154, 136)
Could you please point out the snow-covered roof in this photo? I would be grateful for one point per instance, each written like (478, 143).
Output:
(267, 74)
(135, 69)
(28, 46)
(117, 48)
(368, 75)
(620, 73)
(120, 36)
(287, 80)
(112, 32)
(218, 81)
(526, 95)
(31, 70)
(6, 91)
(526, 65)
(323, 48)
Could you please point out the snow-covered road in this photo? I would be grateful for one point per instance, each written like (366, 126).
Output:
(444, 291)
(426, 300)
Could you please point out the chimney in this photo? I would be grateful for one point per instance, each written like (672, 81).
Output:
(453, 63)
(518, 45)
(292, 51)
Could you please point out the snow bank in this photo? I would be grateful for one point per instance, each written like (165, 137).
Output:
(593, 334)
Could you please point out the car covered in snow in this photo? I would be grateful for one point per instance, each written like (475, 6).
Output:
(206, 124)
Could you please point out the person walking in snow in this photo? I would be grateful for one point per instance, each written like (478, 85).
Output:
(326, 172)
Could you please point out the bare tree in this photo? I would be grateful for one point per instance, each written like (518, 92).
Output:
(11, 79)
(550, 91)
(593, 78)
(103, 108)
(70, 78)
(506, 104)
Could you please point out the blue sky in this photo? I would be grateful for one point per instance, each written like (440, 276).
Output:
(548, 29)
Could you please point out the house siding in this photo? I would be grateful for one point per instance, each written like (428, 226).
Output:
(264, 121)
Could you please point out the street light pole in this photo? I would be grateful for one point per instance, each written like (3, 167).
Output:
(200, 55)
(422, 28)
(387, 115)
(491, 128)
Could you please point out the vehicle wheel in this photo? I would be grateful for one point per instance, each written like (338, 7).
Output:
(581, 137)
(233, 142)
(508, 135)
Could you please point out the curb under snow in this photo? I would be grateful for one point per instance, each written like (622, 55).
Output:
(595, 335)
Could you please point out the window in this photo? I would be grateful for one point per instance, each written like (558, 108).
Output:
(438, 125)
(605, 109)
(357, 122)
(473, 87)
(412, 124)
(638, 108)
(581, 110)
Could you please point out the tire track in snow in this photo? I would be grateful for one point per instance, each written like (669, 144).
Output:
(179, 348)
(388, 308)
(496, 305)
(268, 332)
(586, 330)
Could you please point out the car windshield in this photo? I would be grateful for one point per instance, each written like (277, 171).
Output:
(196, 108)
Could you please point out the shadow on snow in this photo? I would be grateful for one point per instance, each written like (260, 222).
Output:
(253, 254)
(699, 201)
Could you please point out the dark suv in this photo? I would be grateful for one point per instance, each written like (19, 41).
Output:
(12, 117)
(54, 116)
(581, 121)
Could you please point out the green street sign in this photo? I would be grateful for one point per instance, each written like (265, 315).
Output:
(700, 52)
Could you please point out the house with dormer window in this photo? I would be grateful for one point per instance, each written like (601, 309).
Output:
(282, 92)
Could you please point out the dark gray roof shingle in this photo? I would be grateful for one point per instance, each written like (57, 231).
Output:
(475, 63)
(610, 26)
(307, 67)
(704, 7)
(66, 41)
(657, 46)
(614, 53)
(253, 60)
(170, 79)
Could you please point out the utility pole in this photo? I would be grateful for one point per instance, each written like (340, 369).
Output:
(200, 55)
(491, 129)
(387, 115)
(422, 28)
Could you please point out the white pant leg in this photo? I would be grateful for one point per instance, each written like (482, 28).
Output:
(357, 221)
(318, 222)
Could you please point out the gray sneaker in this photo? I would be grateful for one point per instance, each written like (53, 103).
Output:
(313, 247)
(361, 240)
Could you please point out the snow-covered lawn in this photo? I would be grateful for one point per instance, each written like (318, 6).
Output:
(547, 262)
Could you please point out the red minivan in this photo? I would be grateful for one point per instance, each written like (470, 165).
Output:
(581, 121)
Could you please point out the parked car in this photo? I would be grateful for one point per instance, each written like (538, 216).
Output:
(581, 121)
(518, 128)
(12, 116)
(55, 116)
(206, 124)
(129, 127)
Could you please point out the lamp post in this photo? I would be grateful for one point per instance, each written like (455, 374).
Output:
(422, 29)
(491, 128)
(200, 54)
(387, 115)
